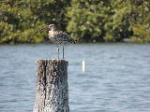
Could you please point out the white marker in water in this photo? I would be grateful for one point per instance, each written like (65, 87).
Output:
(83, 66)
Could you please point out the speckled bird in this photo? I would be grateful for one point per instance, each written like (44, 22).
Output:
(58, 37)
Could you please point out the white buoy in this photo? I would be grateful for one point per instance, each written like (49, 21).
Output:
(83, 66)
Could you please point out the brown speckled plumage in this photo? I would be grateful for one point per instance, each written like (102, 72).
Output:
(58, 37)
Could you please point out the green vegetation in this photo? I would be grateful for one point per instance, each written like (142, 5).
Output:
(84, 20)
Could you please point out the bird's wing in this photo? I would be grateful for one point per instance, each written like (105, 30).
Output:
(62, 36)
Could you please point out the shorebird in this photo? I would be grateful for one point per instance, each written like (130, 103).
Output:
(58, 37)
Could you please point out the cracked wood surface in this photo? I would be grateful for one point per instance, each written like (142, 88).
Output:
(52, 86)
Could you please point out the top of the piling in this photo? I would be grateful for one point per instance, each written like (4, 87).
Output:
(53, 61)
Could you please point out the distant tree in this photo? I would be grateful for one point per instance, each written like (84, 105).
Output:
(86, 19)
(20, 19)
(117, 25)
(140, 20)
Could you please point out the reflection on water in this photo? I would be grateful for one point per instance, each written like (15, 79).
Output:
(116, 78)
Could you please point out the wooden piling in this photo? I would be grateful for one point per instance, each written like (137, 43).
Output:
(52, 86)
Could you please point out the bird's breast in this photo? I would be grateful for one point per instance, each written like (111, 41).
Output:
(51, 34)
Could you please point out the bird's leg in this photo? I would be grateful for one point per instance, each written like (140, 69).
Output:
(63, 51)
(58, 51)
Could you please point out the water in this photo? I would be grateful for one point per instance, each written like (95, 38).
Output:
(116, 77)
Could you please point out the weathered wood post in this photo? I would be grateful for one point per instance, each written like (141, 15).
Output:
(52, 86)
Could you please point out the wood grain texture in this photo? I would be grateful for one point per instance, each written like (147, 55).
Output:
(52, 86)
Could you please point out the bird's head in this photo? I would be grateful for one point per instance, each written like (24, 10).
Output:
(51, 27)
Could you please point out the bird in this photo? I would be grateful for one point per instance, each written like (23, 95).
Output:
(58, 37)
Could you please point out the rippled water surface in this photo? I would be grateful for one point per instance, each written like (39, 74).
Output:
(116, 78)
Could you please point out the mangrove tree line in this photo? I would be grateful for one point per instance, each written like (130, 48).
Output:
(84, 20)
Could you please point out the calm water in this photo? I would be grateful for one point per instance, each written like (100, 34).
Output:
(117, 77)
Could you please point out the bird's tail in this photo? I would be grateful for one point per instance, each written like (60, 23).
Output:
(72, 41)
